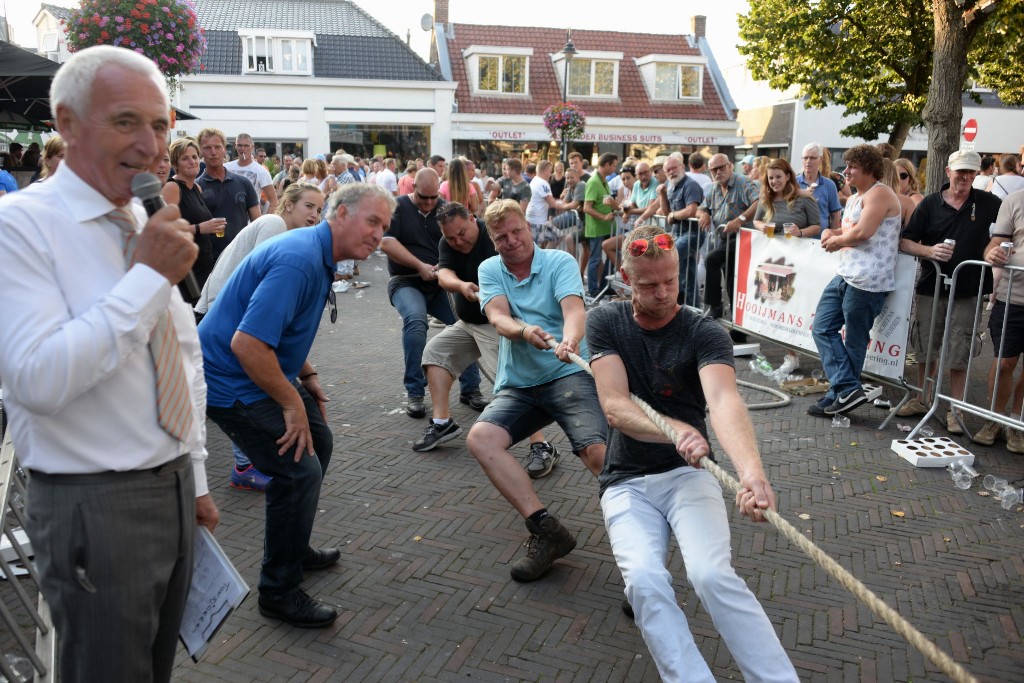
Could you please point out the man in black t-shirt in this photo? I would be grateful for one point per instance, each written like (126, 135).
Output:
(411, 247)
(680, 364)
(464, 246)
(960, 213)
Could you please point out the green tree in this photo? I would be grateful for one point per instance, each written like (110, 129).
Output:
(974, 40)
(876, 58)
(872, 57)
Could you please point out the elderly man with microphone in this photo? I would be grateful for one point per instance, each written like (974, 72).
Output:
(103, 377)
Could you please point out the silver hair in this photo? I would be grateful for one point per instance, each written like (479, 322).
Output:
(72, 86)
(813, 145)
(352, 194)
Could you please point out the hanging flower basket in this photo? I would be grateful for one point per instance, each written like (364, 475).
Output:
(166, 31)
(567, 118)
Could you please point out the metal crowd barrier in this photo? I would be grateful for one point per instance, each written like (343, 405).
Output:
(928, 387)
(42, 654)
(992, 412)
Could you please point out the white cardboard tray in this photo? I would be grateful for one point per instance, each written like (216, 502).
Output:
(932, 451)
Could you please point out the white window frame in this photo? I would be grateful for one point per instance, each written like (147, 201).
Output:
(474, 53)
(594, 56)
(648, 66)
(274, 40)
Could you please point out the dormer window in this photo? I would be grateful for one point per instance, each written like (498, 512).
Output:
(591, 73)
(673, 78)
(288, 53)
(498, 70)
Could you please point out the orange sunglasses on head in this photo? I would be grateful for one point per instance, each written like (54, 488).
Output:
(641, 246)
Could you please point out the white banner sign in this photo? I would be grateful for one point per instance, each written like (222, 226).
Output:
(779, 282)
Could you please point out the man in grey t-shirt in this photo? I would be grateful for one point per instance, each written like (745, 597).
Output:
(679, 363)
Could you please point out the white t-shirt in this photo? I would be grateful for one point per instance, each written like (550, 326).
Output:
(870, 265)
(253, 172)
(537, 209)
(387, 180)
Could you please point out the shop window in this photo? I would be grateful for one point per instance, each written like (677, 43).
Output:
(288, 54)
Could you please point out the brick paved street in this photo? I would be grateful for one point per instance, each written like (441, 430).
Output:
(423, 587)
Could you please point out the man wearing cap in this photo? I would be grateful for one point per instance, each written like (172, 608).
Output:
(748, 164)
(961, 214)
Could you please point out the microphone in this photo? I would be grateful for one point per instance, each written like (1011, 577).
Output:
(146, 187)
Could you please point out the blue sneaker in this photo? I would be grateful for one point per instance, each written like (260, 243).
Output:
(250, 479)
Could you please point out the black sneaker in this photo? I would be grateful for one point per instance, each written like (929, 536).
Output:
(435, 435)
(415, 408)
(542, 459)
(474, 399)
(298, 609)
(549, 541)
(845, 404)
(627, 609)
(320, 559)
(817, 409)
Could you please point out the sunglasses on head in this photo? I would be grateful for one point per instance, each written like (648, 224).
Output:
(639, 247)
(904, 175)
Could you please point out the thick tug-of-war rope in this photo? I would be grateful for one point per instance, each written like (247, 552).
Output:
(929, 649)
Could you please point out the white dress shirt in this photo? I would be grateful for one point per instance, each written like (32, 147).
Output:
(79, 381)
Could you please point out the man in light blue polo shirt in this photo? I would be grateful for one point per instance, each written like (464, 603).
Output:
(823, 189)
(527, 293)
(266, 396)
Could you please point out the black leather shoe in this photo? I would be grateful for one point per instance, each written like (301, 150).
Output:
(474, 399)
(416, 408)
(298, 609)
(320, 559)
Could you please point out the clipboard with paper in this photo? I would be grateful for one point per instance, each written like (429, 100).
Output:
(217, 590)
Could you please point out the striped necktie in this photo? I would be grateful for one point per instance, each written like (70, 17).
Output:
(173, 402)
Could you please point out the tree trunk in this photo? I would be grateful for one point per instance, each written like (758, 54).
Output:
(944, 110)
(898, 136)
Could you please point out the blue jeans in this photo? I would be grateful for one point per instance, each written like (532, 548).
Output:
(639, 514)
(294, 491)
(840, 304)
(596, 271)
(414, 305)
(241, 462)
(688, 245)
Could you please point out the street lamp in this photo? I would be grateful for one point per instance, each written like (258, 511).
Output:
(568, 52)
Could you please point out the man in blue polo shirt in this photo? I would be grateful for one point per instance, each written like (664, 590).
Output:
(265, 395)
(524, 292)
(823, 189)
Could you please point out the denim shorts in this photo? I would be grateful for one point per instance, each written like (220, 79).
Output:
(570, 401)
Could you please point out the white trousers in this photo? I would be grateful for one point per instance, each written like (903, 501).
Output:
(638, 514)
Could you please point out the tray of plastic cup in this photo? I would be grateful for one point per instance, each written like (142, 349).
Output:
(932, 451)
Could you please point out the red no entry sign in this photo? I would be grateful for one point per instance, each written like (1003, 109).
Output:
(970, 130)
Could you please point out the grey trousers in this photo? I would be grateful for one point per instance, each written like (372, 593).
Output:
(114, 553)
